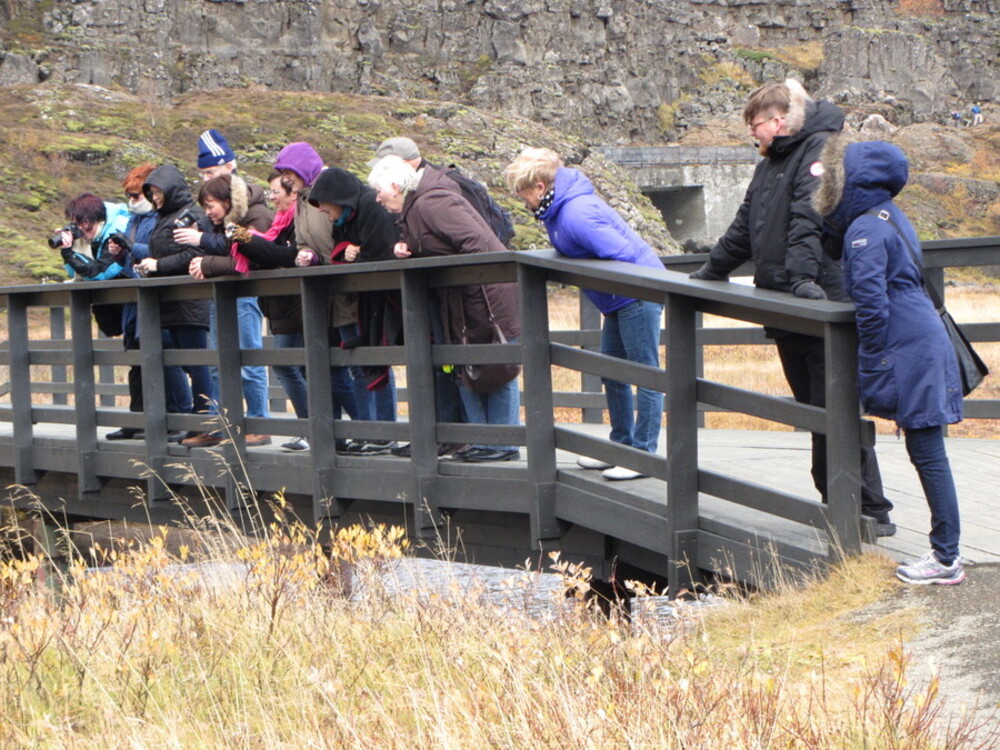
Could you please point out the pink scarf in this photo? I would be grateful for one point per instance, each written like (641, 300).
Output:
(282, 220)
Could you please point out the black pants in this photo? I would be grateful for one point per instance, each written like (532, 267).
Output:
(804, 361)
(134, 374)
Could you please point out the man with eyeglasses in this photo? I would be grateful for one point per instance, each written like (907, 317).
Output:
(778, 229)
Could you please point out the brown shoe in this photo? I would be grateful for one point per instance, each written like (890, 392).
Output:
(202, 440)
(252, 439)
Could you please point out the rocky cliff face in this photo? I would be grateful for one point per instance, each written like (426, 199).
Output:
(619, 70)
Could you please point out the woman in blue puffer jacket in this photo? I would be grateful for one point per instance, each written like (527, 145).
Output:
(907, 369)
(581, 225)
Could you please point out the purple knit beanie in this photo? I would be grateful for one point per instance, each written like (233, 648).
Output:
(302, 159)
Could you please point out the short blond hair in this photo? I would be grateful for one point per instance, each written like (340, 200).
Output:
(531, 166)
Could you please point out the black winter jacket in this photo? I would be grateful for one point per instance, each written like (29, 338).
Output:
(173, 259)
(776, 225)
(283, 312)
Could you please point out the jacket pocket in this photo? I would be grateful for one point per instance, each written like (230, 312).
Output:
(877, 383)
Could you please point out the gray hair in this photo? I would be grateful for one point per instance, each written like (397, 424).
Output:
(392, 170)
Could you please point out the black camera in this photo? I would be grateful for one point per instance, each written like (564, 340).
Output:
(56, 239)
(186, 219)
(122, 241)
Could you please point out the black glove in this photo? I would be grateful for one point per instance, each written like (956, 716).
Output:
(66, 253)
(808, 289)
(705, 273)
(122, 241)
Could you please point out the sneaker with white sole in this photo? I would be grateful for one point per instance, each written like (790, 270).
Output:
(620, 474)
(371, 447)
(296, 444)
(928, 569)
(586, 462)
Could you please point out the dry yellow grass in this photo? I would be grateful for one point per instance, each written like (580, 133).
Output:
(267, 652)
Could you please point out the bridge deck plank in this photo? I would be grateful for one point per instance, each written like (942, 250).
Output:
(779, 460)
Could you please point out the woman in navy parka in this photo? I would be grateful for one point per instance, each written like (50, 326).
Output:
(907, 369)
(581, 225)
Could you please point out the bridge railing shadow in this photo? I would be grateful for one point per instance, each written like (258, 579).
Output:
(666, 522)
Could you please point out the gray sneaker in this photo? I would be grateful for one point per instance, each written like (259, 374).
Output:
(371, 447)
(928, 570)
(296, 444)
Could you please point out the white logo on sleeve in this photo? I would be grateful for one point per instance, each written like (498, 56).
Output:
(816, 169)
(860, 243)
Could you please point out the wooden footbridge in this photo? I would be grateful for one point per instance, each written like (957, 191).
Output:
(737, 503)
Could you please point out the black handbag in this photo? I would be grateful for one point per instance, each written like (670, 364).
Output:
(971, 367)
(487, 378)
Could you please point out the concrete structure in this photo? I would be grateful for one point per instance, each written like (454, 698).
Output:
(696, 188)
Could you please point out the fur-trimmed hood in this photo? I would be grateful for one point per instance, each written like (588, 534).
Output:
(239, 200)
(795, 120)
(856, 177)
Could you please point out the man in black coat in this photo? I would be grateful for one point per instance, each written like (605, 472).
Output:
(777, 227)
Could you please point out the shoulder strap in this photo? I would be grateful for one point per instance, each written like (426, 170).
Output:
(929, 288)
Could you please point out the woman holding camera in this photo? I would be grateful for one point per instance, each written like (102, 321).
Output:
(184, 324)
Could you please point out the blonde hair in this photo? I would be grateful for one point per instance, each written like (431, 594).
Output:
(531, 166)
(392, 170)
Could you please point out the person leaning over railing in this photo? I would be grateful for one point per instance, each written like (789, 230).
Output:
(364, 231)
(581, 225)
(907, 369)
(436, 220)
(183, 323)
(228, 199)
(300, 164)
(142, 219)
(276, 248)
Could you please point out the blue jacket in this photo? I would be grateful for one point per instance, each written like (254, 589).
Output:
(140, 227)
(907, 369)
(581, 225)
(102, 265)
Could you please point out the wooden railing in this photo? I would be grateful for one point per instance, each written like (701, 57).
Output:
(541, 490)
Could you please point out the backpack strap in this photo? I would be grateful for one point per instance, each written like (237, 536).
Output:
(929, 288)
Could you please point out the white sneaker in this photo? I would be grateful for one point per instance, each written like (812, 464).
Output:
(585, 462)
(296, 444)
(620, 473)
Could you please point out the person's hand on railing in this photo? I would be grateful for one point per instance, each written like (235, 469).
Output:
(401, 250)
(705, 273)
(146, 266)
(306, 257)
(808, 289)
(194, 269)
(351, 253)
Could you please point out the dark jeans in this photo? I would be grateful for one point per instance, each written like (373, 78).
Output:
(926, 450)
(804, 362)
(188, 386)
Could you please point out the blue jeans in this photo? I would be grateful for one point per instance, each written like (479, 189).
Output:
(633, 333)
(293, 377)
(500, 406)
(342, 384)
(926, 450)
(249, 319)
(188, 387)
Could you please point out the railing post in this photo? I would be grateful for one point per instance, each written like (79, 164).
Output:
(843, 441)
(57, 330)
(81, 329)
(20, 390)
(322, 438)
(682, 441)
(154, 391)
(422, 411)
(538, 403)
(590, 319)
(230, 406)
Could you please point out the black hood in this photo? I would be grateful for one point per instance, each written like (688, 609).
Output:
(820, 117)
(339, 187)
(176, 193)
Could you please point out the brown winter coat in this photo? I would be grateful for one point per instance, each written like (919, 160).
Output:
(437, 220)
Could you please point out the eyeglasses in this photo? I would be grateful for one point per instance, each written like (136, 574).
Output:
(755, 125)
(133, 196)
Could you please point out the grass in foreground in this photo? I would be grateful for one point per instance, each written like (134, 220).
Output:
(270, 653)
